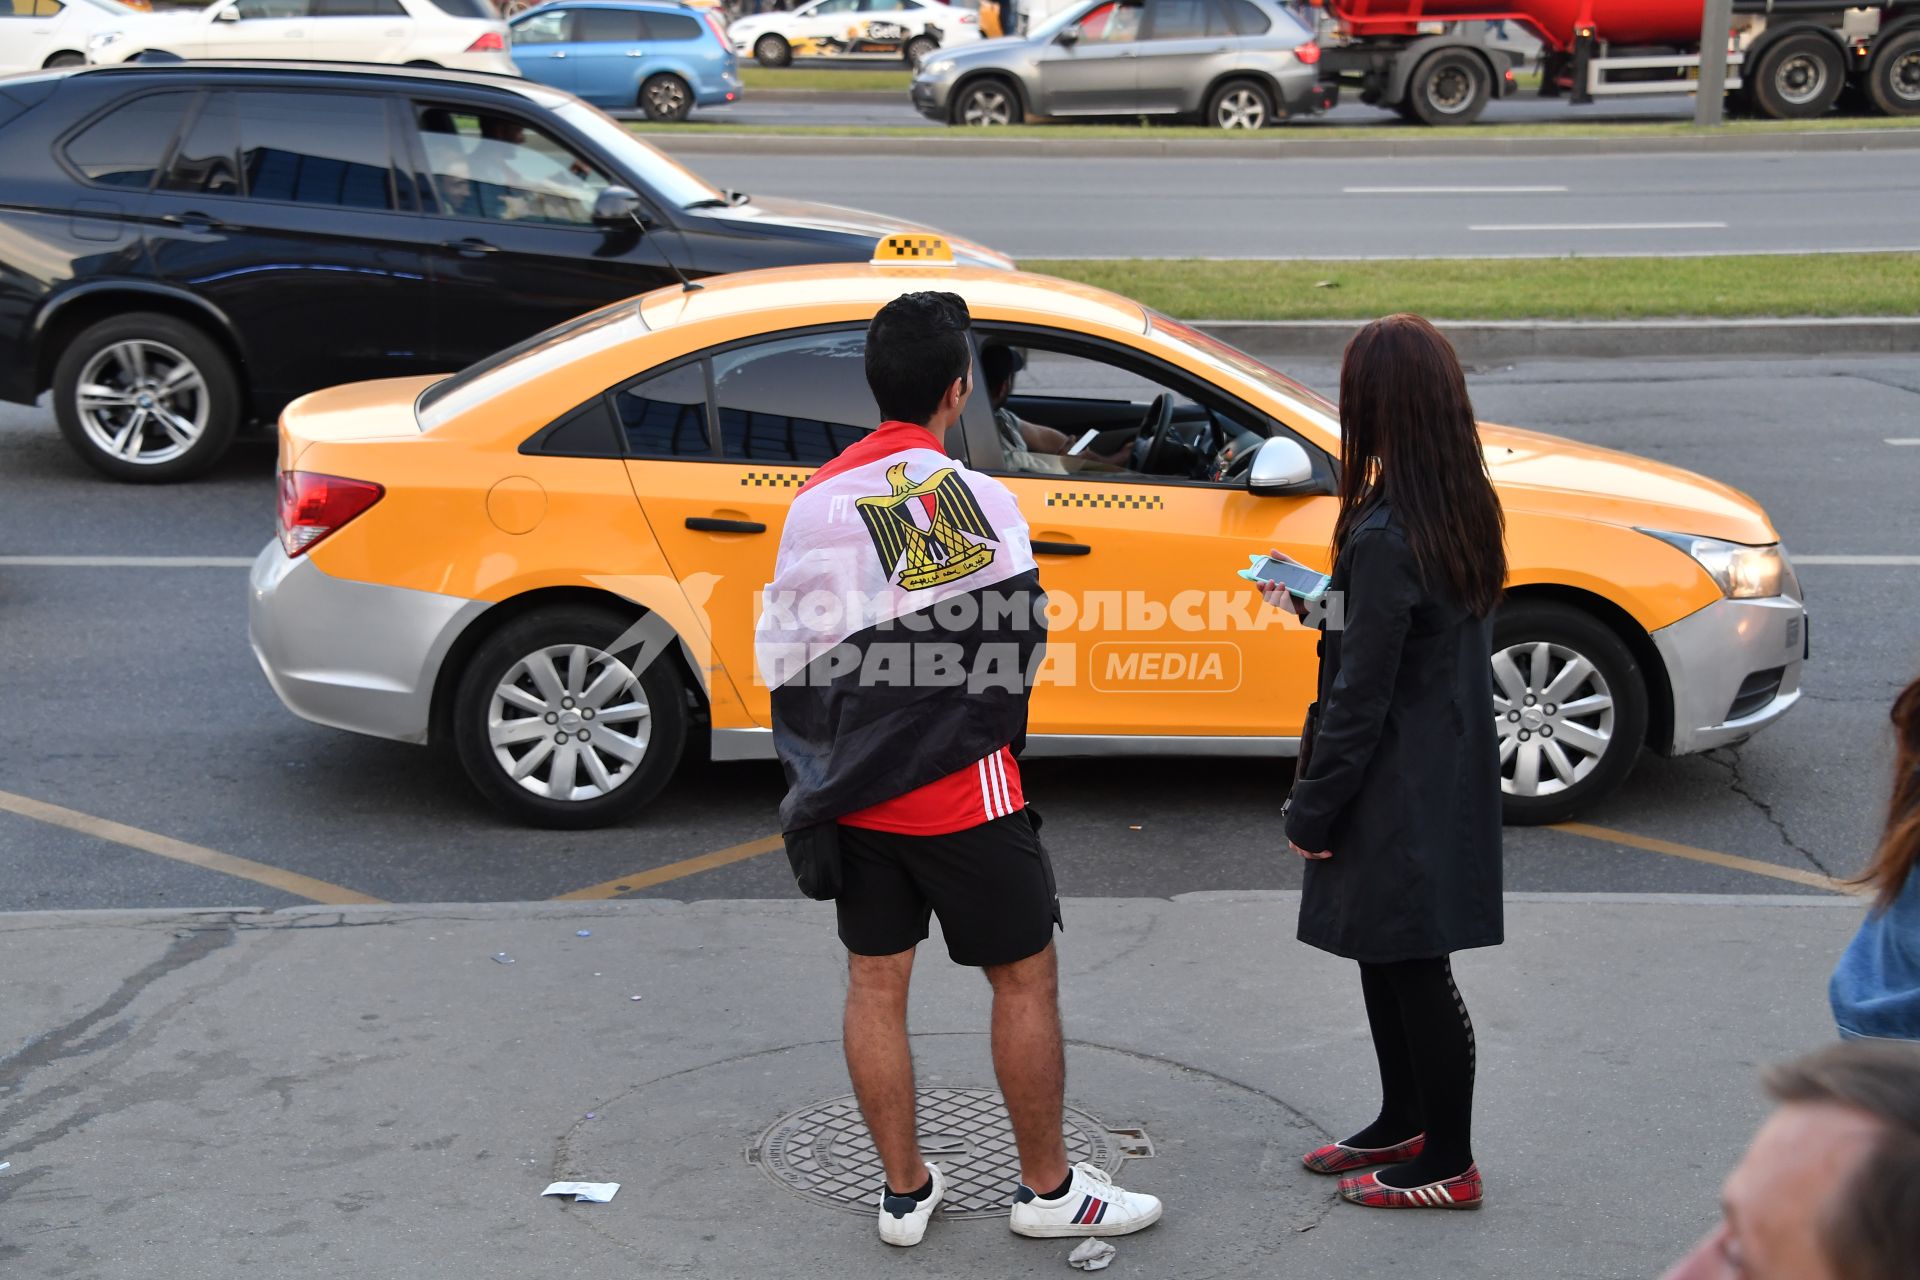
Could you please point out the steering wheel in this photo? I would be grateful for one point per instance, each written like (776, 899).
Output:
(1152, 441)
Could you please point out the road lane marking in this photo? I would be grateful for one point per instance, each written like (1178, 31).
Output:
(1897, 440)
(1885, 561)
(674, 870)
(180, 851)
(1452, 191)
(1607, 835)
(128, 562)
(1599, 226)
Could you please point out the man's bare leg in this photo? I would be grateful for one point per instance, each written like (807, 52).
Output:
(1031, 1064)
(881, 1063)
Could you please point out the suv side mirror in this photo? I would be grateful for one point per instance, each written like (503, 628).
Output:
(1071, 36)
(617, 204)
(1280, 467)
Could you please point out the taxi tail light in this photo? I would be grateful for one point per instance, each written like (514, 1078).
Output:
(312, 506)
(488, 43)
(1308, 53)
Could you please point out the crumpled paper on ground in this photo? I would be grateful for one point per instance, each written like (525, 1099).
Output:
(1092, 1255)
(591, 1192)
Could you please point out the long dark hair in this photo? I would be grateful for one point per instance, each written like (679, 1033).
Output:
(1899, 850)
(1406, 431)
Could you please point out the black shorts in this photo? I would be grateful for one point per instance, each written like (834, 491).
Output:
(991, 886)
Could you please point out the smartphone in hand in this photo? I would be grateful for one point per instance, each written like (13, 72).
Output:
(1301, 583)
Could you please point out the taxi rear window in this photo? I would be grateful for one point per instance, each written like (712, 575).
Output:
(562, 344)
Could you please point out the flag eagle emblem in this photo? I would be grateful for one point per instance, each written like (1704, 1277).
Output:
(922, 531)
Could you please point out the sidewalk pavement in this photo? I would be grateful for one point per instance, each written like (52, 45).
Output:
(326, 1092)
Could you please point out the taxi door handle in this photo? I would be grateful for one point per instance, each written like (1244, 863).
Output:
(1062, 549)
(712, 524)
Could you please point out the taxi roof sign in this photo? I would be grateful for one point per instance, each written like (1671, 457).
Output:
(913, 250)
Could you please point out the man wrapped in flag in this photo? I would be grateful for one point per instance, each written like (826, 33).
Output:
(899, 636)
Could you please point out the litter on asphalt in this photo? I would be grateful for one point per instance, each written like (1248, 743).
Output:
(501, 957)
(589, 1192)
(583, 933)
(1092, 1255)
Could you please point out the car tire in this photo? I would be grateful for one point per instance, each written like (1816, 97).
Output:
(919, 49)
(666, 98)
(1893, 81)
(1585, 746)
(65, 58)
(425, 66)
(772, 51)
(987, 103)
(1240, 104)
(612, 781)
(1449, 87)
(1799, 78)
(165, 404)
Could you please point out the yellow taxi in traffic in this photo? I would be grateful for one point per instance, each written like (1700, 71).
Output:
(554, 560)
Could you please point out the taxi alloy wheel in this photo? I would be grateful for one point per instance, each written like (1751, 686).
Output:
(666, 97)
(1569, 710)
(146, 397)
(561, 732)
(987, 103)
(919, 49)
(772, 51)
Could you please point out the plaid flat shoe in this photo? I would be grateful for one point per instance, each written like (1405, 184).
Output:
(1463, 1192)
(1337, 1157)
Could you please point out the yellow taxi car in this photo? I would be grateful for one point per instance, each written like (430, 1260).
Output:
(554, 559)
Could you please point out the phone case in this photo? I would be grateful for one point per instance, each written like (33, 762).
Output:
(1251, 574)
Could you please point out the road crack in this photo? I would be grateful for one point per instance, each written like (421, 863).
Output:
(1728, 758)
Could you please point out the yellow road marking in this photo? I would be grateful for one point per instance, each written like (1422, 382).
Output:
(1672, 850)
(674, 870)
(180, 851)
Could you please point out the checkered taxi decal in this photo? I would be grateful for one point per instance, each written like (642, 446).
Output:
(775, 479)
(1134, 501)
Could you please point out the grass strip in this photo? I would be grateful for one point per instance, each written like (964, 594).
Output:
(1837, 284)
(859, 80)
(1387, 131)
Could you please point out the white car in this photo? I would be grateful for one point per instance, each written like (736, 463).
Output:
(910, 29)
(467, 35)
(54, 33)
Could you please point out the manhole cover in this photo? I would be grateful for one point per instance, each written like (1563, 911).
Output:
(825, 1152)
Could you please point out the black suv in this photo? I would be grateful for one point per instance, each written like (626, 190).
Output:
(186, 247)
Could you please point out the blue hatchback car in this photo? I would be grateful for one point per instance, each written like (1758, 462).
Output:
(660, 57)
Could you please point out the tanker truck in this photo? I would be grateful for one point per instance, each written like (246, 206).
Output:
(1788, 59)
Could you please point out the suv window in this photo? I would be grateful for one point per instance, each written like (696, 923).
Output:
(1183, 20)
(549, 26)
(672, 26)
(500, 168)
(794, 400)
(611, 26)
(1116, 22)
(665, 416)
(125, 147)
(1247, 18)
(205, 163)
(316, 148)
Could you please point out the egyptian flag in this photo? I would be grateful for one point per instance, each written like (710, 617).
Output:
(901, 628)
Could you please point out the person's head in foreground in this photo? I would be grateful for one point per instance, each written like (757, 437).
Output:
(918, 358)
(1830, 1188)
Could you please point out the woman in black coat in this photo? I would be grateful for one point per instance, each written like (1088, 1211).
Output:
(1396, 802)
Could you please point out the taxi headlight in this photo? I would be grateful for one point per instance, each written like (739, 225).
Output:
(1742, 572)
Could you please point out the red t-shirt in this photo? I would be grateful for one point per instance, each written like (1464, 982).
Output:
(983, 791)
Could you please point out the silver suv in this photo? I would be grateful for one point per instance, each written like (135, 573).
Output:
(1237, 64)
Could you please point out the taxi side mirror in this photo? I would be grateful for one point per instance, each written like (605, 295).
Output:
(615, 205)
(228, 14)
(1280, 468)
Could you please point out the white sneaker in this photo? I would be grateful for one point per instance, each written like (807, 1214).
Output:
(903, 1220)
(1093, 1206)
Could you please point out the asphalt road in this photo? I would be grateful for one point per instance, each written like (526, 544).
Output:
(1529, 206)
(130, 693)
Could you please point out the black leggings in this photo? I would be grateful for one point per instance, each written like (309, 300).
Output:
(1424, 1040)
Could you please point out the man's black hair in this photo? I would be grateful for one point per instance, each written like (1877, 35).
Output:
(998, 362)
(916, 349)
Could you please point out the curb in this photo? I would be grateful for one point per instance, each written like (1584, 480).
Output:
(945, 142)
(1482, 340)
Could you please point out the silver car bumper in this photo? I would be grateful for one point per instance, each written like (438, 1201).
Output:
(353, 655)
(1735, 669)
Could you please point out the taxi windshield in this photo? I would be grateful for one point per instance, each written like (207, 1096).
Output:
(1230, 359)
(676, 184)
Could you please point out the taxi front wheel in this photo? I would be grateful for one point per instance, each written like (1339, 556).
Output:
(570, 717)
(1569, 710)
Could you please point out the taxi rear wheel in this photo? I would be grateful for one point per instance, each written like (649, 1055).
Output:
(772, 51)
(561, 720)
(1569, 710)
